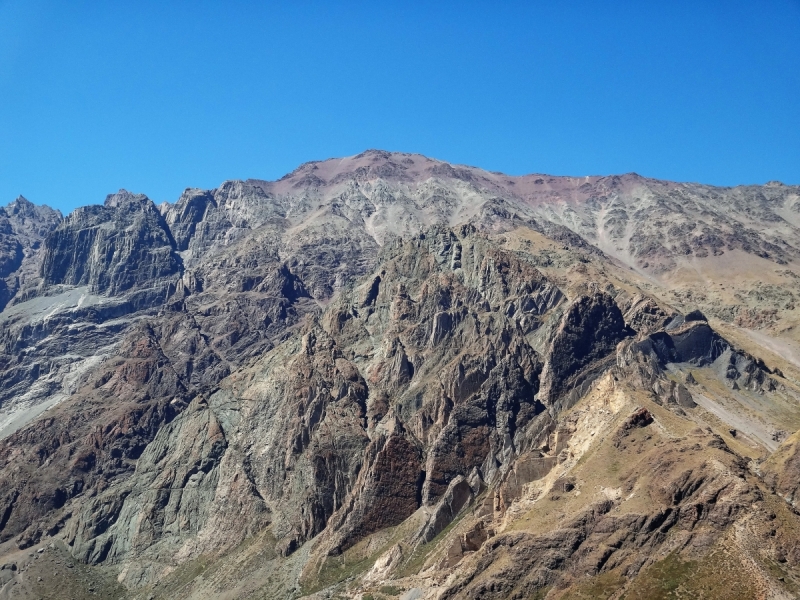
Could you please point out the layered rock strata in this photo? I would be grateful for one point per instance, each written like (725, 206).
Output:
(407, 363)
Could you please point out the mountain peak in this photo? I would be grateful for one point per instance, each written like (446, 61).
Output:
(123, 196)
(23, 207)
(385, 352)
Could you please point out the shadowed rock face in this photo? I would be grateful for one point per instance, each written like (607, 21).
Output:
(390, 492)
(373, 342)
(23, 227)
(589, 331)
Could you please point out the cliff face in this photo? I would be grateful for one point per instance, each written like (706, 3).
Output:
(387, 372)
(23, 227)
(342, 418)
(112, 249)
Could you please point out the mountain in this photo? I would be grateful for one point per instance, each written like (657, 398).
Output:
(388, 376)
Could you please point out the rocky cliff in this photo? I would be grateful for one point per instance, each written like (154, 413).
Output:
(386, 374)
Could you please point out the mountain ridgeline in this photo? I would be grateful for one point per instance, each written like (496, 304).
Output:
(388, 376)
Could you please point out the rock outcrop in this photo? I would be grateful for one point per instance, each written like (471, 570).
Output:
(588, 333)
(390, 369)
(23, 227)
(339, 457)
(120, 246)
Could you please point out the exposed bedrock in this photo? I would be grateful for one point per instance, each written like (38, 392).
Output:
(350, 428)
(23, 227)
(96, 441)
(690, 503)
(360, 344)
(415, 388)
(113, 248)
(581, 347)
(695, 343)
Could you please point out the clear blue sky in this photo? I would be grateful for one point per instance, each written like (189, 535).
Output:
(156, 97)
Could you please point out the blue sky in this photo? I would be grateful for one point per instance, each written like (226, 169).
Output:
(156, 97)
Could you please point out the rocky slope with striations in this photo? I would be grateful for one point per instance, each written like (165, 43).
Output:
(386, 374)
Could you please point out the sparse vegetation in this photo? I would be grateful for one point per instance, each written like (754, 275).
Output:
(421, 553)
(599, 587)
(718, 576)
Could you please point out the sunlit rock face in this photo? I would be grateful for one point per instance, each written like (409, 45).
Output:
(385, 372)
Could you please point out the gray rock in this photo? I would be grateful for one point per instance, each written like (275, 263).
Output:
(453, 501)
(589, 332)
(327, 354)
(124, 245)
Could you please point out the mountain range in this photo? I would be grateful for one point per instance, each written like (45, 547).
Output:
(386, 376)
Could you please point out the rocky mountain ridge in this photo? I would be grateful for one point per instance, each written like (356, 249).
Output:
(387, 360)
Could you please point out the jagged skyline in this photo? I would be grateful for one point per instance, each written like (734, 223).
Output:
(389, 376)
(156, 98)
